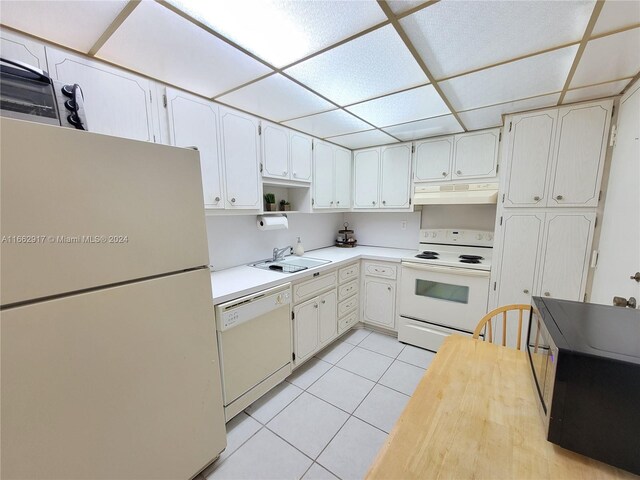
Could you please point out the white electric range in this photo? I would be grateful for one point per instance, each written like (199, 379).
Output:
(444, 288)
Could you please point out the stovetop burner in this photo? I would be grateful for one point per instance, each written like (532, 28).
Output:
(471, 257)
(427, 256)
(470, 260)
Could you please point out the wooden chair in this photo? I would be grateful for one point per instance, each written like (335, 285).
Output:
(486, 323)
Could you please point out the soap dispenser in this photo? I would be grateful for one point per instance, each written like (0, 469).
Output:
(299, 249)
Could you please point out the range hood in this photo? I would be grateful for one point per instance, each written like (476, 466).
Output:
(456, 194)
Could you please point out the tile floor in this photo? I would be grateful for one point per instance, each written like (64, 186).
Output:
(329, 418)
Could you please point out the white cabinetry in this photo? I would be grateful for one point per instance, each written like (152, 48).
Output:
(301, 153)
(240, 155)
(476, 154)
(193, 122)
(348, 289)
(306, 330)
(379, 294)
(275, 151)
(555, 157)
(22, 49)
(331, 176)
(433, 160)
(457, 157)
(543, 254)
(117, 102)
(382, 177)
(327, 319)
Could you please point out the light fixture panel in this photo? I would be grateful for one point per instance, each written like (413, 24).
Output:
(431, 127)
(363, 139)
(596, 91)
(327, 124)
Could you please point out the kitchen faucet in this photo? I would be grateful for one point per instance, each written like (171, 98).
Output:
(278, 253)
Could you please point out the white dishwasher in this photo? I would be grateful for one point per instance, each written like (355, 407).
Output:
(254, 339)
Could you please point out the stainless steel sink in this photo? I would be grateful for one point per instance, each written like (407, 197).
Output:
(290, 264)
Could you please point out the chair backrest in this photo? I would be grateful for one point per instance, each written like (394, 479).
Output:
(487, 324)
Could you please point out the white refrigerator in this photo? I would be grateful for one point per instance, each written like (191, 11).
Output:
(109, 361)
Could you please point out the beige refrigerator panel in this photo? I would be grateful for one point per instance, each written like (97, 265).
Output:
(119, 383)
(80, 209)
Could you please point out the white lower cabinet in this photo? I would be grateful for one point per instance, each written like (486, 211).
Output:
(543, 254)
(306, 330)
(379, 295)
(327, 317)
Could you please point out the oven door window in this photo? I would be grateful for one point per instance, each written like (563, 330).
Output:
(442, 291)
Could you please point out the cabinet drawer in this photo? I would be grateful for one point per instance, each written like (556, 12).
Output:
(380, 270)
(349, 272)
(347, 305)
(347, 322)
(308, 289)
(348, 289)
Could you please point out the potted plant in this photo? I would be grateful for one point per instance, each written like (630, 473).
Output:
(270, 202)
(285, 206)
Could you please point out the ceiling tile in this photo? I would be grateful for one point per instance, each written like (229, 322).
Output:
(283, 31)
(75, 24)
(372, 65)
(363, 139)
(430, 127)
(400, 6)
(492, 116)
(415, 104)
(609, 58)
(597, 91)
(161, 44)
(537, 75)
(335, 122)
(617, 14)
(277, 98)
(453, 37)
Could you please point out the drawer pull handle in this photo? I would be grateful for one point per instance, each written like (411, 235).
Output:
(459, 172)
(547, 294)
(389, 288)
(559, 197)
(315, 305)
(317, 274)
(536, 198)
(217, 199)
(444, 174)
(324, 301)
(526, 290)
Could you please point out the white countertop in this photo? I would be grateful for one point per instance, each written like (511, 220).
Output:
(236, 282)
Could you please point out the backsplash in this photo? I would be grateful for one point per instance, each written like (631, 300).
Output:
(234, 240)
(382, 229)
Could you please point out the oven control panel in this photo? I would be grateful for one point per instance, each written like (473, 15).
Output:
(479, 238)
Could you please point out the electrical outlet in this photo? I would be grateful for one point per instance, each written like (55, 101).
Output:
(403, 225)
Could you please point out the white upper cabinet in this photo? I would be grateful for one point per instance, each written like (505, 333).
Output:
(395, 176)
(366, 181)
(323, 175)
(275, 151)
(565, 255)
(476, 154)
(529, 152)
(193, 122)
(433, 160)
(342, 184)
(22, 49)
(301, 153)
(240, 156)
(579, 155)
(555, 157)
(116, 102)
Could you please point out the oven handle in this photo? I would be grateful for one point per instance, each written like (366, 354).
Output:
(29, 68)
(451, 270)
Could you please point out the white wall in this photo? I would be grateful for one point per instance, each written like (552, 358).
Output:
(383, 229)
(234, 240)
(471, 217)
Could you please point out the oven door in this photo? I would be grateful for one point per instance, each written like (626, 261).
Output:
(448, 296)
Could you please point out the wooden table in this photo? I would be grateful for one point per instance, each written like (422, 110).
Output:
(474, 415)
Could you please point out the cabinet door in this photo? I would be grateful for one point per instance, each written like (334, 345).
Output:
(116, 102)
(565, 256)
(327, 317)
(193, 122)
(366, 171)
(22, 49)
(520, 241)
(305, 329)
(433, 160)
(379, 301)
(395, 176)
(240, 158)
(581, 145)
(275, 151)
(529, 154)
(476, 154)
(342, 169)
(300, 154)
(322, 175)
